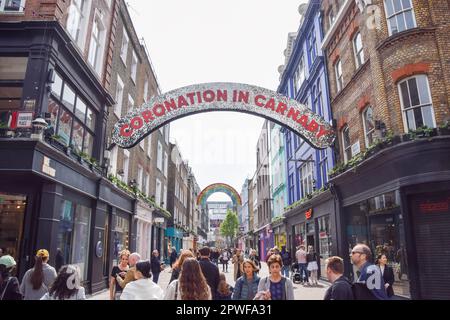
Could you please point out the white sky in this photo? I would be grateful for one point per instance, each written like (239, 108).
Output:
(196, 41)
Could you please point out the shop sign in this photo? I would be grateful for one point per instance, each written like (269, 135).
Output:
(322, 235)
(308, 214)
(356, 148)
(434, 207)
(24, 119)
(222, 96)
(29, 104)
(47, 169)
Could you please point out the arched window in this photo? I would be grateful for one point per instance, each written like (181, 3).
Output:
(358, 49)
(347, 147)
(416, 103)
(369, 126)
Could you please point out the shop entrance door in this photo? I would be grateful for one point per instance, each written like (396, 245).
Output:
(12, 213)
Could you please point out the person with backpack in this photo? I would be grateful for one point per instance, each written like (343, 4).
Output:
(246, 286)
(9, 285)
(37, 281)
(275, 286)
(370, 283)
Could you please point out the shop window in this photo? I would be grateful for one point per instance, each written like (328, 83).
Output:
(325, 243)
(73, 236)
(12, 212)
(369, 126)
(400, 15)
(57, 85)
(120, 237)
(72, 119)
(300, 235)
(10, 98)
(416, 103)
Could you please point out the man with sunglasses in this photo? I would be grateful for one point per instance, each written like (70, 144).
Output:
(370, 283)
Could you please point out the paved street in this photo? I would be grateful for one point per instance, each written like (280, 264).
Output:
(300, 292)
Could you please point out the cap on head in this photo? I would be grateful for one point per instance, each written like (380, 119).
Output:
(7, 261)
(42, 253)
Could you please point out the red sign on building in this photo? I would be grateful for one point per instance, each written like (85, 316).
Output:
(308, 214)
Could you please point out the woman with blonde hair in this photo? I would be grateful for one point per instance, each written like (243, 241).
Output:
(191, 285)
(176, 267)
(246, 286)
(115, 290)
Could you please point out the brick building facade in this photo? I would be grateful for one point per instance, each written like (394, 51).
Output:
(389, 78)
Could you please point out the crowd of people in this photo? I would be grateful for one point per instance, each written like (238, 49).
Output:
(197, 276)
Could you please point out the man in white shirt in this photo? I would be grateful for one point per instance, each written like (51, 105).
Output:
(301, 260)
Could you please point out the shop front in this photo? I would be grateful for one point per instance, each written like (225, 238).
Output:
(279, 232)
(397, 203)
(144, 230)
(174, 239)
(313, 224)
(266, 241)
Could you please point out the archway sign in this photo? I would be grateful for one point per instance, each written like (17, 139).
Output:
(219, 187)
(222, 96)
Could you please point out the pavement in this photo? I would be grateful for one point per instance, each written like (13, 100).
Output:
(300, 292)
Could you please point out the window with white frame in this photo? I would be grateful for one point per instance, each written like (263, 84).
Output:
(165, 197)
(158, 191)
(139, 177)
(145, 90)
(346, 144)
(291, 188)
(369, 126)
(146, 183)
(119, 97)
(130, 102)
(307, 177)
(339, 77)
(12, 6)
(124, 47)
(166, 164)
(126, 165)
(159, 157)
(149, 146)
(96, 46)
(78, 13)
(400, 15)
(113, 160)
(134, 62)
(323, 167)
(416, 102)
(358, 49)
(299, 75)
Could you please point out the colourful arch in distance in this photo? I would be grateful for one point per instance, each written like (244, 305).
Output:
(219, 187)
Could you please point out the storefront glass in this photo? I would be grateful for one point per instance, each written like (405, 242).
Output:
(12, 212)
(324, 241)
(378, 223)
(120, 240)
(73, 236)
(299, 235)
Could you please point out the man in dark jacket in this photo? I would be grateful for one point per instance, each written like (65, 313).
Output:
(210, 271)
(341, 288)
(155, 266)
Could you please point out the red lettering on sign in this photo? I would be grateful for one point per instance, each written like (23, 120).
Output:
(209, 96)
(257, 102)
(281, 109)
(322, 131)
(182, 102)
(308, 214)
(136, 123)
(158, 110)
(170, 105)
(147, 115)
(234, 95)
(313, 126)
(243, 96)
(222, 95)
(303, 121)
(199, 97)
(271, 104)
(126, 131)
(293, 114)
(191, 95)
(434, 207)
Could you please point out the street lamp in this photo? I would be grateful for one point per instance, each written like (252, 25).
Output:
(39, 125)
